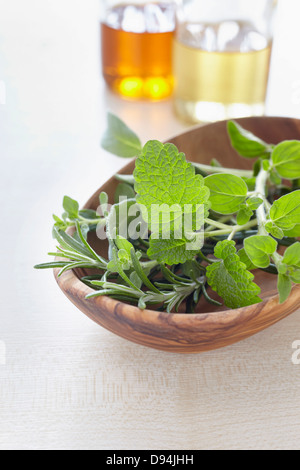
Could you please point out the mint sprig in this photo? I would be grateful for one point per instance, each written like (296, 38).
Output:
(230, 278)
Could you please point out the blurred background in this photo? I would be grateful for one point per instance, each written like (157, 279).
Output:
(54, 98)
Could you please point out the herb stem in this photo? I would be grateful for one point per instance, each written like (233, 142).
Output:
(97, 221)
(260, 189)
(215, 223)
(219, 169)
(235, 228)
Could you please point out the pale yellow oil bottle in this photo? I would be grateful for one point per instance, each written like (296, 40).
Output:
(213, 85)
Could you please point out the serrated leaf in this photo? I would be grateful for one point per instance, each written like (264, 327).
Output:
(259, 248)
(285, 212)
(163, 176)
(227, 192)
(119, 139)
(286, 159)
(174, 199)
(244, 142)
(230, 278)
(171, 251)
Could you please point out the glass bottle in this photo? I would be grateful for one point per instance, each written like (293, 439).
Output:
(136, 43)
(222, 52)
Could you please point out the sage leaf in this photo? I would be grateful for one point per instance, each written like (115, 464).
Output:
(119, 139)
(245, 143)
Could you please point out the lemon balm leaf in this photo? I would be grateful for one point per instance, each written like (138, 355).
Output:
(164, 178)
(230, 278)
(171, 251)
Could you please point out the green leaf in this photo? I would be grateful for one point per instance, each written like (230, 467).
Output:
(227, 192)
(286, 159)
(89, 214)
(258, 249)
(51, 265)
(285, 212)
(246, 260)
(163, 176)
(119, 139)
(171, 251)
(246, 143)
(274, 230)
(71, 207)
(140, 271)
(244, 214)
(120, 220)
(230, 278)
(293, 233)
(266, 165)
(124, 190)
(124, 244)
(174, 199)
(254, 203)
(250, 182)
(284, 286)
(59, 224)
(274, 177)
(291, 255)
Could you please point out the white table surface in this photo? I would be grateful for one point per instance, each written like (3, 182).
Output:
(66, 383)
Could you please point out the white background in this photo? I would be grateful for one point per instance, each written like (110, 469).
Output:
(66, 382)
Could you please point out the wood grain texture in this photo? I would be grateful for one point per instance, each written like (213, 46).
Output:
(211, 328)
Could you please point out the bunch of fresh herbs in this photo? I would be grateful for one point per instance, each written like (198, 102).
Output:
(248, 216)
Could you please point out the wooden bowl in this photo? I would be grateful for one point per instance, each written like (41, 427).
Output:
(210, 327)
